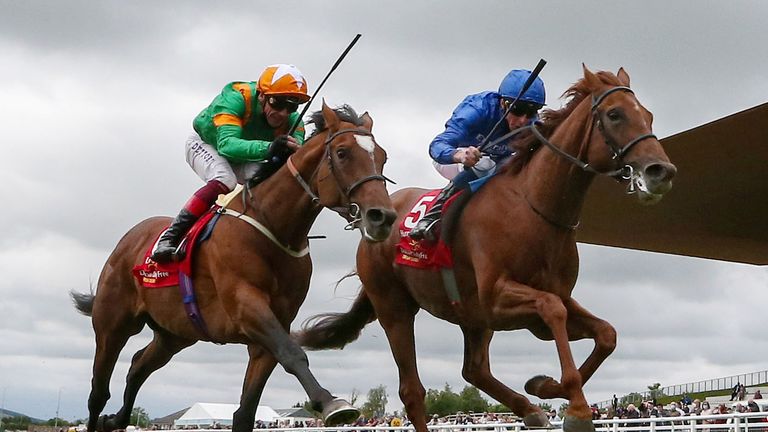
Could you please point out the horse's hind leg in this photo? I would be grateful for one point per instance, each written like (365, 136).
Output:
(396, 315)
(260, 366)
(149, 359)
(112, 333)
(477, 371)
(581, 325)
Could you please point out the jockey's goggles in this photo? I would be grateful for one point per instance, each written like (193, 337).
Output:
(521, 108)
(279, 103)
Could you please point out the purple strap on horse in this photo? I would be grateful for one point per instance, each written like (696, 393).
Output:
(190, 305)
(187, 289)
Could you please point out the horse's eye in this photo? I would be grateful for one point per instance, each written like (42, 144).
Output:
(341, 153)
(614, 115)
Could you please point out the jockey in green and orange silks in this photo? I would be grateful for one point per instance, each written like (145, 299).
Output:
(239, 130)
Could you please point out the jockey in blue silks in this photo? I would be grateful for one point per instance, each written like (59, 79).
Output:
(455, 151)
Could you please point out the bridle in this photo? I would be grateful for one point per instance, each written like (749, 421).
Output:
(351, 212)
(625, 172)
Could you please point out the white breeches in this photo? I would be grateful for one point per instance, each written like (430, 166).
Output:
(209, 165)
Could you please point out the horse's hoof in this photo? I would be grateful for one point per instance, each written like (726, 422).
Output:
(102, 423)
(544, 387)
(340, 412)
(537, 420)
(574, 424)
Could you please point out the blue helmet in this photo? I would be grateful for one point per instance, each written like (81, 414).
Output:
(512, 84)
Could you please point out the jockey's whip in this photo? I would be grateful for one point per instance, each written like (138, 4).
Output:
(526, 85)
(335, 65)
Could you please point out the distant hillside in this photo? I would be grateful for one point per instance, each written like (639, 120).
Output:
(9, 413)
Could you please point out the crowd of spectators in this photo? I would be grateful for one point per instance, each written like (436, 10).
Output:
(682, 408)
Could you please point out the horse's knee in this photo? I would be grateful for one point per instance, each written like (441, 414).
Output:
(551, 309)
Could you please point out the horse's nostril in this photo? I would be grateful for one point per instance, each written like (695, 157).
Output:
(377, 216)
(661, 172)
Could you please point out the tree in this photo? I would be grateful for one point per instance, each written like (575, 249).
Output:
(139, 417)
(471, 400)
(354, 396)
(561, 411)
(498, 408)
(376, 405)
(56, 421)
(16, 423)
(442, 402)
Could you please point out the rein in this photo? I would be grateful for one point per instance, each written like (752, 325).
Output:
(351, 213)
(618, 152)
(624, 173)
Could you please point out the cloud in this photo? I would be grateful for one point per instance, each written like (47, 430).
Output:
(99, 98)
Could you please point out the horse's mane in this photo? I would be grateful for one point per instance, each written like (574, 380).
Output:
(551, 119)
(345, 113)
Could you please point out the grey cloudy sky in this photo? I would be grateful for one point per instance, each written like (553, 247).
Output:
(98, 98)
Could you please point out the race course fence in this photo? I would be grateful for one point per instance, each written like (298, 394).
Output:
(735, 422)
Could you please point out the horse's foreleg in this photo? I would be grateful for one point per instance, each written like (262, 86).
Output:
(260, 324)
(554, 314)
(398, 326)
(581, 325)
(149, 359)
(260, 366)
(477, 371)
(515, 302)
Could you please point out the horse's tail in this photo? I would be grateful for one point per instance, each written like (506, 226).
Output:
(335, 330)
(83, 302)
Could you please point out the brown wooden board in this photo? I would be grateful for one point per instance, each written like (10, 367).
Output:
(718, 207)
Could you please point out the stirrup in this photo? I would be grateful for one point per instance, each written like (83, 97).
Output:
(422, 232)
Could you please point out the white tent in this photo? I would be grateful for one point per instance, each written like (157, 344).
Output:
(210, 414)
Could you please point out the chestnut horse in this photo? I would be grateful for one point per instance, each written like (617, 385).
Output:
(515, 255)
(249, 288)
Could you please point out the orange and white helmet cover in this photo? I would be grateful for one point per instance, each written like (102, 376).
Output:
(283, 80)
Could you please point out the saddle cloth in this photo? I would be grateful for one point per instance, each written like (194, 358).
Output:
(423, 254)
(151, 274)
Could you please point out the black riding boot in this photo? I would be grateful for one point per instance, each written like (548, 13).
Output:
(169, 240)
(425, 228)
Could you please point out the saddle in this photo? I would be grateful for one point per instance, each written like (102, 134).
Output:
(424, 254)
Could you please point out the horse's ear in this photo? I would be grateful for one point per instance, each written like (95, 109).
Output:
(330, 117)
(593, 82)
(367, 121)
(623, 77)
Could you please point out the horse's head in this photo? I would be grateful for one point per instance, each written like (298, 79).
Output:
(351, 179)
(625, 140)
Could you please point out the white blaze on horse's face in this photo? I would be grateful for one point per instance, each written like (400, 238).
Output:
(366, 142)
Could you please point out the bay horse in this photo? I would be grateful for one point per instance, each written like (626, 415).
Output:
(515, 255)
(249, 288)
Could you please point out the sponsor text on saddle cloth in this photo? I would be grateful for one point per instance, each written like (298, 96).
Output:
(151, 274)
(423, 254)
(155, 275)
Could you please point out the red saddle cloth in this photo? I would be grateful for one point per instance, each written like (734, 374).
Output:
(151, 274)
(423, 254)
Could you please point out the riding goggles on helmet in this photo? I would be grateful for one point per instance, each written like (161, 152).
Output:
(283, 103)
(521, 107)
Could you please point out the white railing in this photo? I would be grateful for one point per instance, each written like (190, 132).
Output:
(715, 384)
(736, 422)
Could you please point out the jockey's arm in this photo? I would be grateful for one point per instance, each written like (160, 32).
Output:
(458, 133)
(233, 147)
